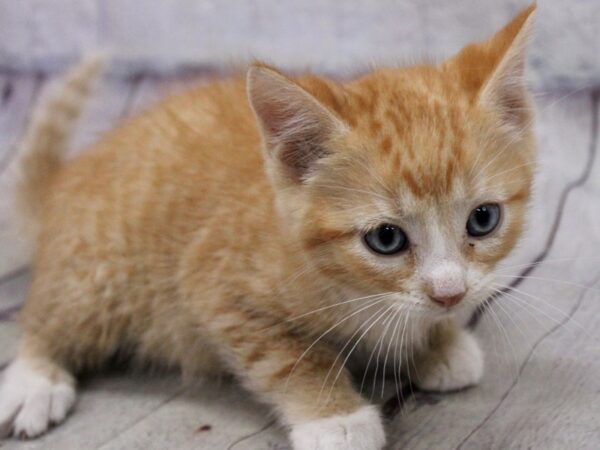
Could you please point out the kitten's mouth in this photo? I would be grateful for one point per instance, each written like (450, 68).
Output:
(445, 313)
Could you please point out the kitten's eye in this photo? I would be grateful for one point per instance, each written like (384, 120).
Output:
(483, 220)
(386, 239)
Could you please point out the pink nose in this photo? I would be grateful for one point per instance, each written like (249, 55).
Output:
(449, 300)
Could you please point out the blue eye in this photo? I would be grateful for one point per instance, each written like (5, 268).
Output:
(483, 220)
(386, 239)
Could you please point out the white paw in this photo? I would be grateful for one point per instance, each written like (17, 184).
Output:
(30, 402)
(460, 366)
(361, 430)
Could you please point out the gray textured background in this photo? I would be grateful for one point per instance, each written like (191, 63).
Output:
(327, 35)
(541, 389)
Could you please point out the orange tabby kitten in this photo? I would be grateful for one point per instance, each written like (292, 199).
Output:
(276, 239)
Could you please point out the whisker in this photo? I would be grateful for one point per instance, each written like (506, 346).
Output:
(498, 323)
(503, 184)
(533, 264)
(546, 303)
(528, 163)
(383, 372)
(323, 308)
(402, 356)
(532, 277)
(380, 344)
(534, 297)
(369, 362)
(345, 188)
(525, 307)
(510, 316)
(533, 309)
(493, 334)
(349, 354)
(397, 381)
(532, 313)
(358, 311)
(512, 320)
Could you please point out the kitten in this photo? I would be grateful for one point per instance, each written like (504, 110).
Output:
(278, 239)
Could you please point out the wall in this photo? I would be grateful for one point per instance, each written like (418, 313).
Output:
(326, 35)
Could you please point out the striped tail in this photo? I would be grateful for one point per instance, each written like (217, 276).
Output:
(42, 151)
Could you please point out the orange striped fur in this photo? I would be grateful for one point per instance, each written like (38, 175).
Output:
(216, 234)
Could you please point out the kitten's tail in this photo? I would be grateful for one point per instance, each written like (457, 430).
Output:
(47, 138)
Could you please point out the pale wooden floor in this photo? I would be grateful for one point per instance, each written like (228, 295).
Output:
(542, 385)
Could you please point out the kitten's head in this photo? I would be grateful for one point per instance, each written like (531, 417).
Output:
(414, 180)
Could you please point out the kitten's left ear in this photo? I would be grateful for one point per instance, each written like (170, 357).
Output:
(296, 127)
(494, 70)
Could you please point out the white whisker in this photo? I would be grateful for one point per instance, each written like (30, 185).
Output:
(349, 354)
(390, 340)
(525, 277)
(358, 311)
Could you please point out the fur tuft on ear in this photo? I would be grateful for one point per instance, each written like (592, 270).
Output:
(493, 71)
(295, 126)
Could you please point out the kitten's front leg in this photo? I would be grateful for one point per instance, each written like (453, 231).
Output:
(299, 384)
(452, 360)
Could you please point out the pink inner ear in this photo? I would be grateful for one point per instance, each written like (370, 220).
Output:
(295, 126)
(300, 156)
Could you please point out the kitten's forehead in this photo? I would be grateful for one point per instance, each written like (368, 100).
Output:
(404, 205)
(416, 130)
(419, 142)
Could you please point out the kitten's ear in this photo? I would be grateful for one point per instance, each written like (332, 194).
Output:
(295, 126)
(494, 70)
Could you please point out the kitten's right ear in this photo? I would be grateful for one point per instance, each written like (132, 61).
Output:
(295, 126)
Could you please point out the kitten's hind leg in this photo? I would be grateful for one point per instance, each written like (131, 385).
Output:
(36, 392)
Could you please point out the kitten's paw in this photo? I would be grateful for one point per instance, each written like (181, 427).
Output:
(458, 366)
(30, 402)
(361, 430)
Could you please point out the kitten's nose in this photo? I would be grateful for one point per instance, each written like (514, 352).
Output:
(448, 300)
(445, 283)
